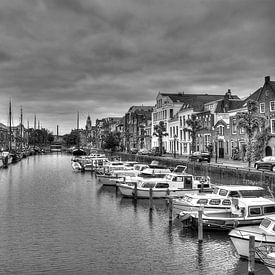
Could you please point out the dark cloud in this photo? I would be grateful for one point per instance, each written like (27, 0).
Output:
(100, 57)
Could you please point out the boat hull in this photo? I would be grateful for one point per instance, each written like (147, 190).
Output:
(128, 191)
(240, 239)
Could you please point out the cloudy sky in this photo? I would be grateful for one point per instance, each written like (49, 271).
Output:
(100, 57)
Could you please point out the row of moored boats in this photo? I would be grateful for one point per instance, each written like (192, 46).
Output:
(243, 210)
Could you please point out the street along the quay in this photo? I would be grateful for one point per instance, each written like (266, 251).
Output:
(55, 221)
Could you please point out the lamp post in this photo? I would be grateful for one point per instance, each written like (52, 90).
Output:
(216, 146)
(175, 139)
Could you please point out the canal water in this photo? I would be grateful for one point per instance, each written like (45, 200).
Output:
(56, 221)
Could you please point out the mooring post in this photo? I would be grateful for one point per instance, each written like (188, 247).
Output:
(200, 226)
(251, 260)
(170, 210)
(135, 191)
(151, 198)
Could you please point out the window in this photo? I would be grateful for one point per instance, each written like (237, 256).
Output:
(269, 209)
(272, 125)
(226, 202)
(162, 185)
(223, 192)
(265, 223)
(171, 113)
(255, 211)
(262, 107)
(215, 201)
(272, 106)
(202, 201)
(234, 194)
(234, 126)
(242, 131)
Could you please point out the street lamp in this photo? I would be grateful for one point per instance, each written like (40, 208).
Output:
(216, 146)
(175, 139)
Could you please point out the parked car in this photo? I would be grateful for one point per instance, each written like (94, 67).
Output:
(143, 151)
(266, 163)
(200, 156)
(133, 150)
(156, 152)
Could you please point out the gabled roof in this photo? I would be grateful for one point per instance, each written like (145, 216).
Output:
(192, 99)
(197, 101)
(232, 105)
(2, 125)
(140, 108)
(258, 93)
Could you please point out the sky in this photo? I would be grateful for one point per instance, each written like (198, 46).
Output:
(100, 57)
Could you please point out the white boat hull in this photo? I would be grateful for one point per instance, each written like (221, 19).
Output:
(128, 191)
(240, 239)
(106, 180)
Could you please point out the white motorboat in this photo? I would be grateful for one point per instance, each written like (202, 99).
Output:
(173, 184)
(219, 199)
(77, 167)
(6, 158)
(244, 211)
(264, 236)
(128, 171)
(266, 254)
(111, 178)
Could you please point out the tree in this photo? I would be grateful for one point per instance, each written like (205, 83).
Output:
(194, 126)
(112, 141)
(252, 123)
(160, 132)
(262, 138)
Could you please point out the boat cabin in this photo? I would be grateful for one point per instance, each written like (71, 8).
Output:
(174, 181)
(239, 191)
(252, 207)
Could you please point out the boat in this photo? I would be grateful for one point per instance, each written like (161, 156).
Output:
(243, 211)
(219, 199)
(110, 179)
(79, 152)
(6, 158)
(266, 254)
(77, 167)
(144, 172)
(173, 184)
(264, 236)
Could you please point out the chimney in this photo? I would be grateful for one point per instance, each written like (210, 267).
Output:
(266, 79)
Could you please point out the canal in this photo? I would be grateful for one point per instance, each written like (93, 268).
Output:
(55, 221)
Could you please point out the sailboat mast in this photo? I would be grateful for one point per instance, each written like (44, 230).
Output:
(10, 134)
(77, 125)
(21, 129)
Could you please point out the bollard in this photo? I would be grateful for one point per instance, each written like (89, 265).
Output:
(251, 259)
(200, 225)
(151, 198)
(170, 210)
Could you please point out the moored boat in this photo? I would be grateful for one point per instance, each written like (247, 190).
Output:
(219, 199)
(173, 184)
(264, 236)
(243, 211)
(266, 254)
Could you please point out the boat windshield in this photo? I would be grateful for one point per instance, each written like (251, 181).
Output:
(253, 193)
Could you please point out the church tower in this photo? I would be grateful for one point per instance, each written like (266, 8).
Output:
(88, 129)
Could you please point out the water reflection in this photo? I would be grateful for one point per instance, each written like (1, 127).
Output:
(55, 221)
